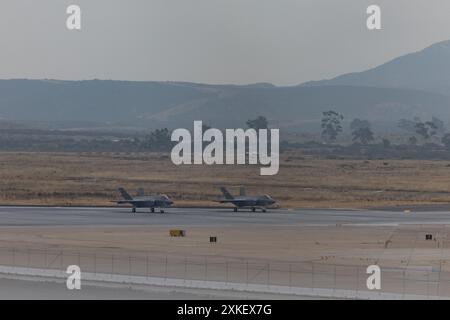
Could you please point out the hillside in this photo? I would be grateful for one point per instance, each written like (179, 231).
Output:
(170, 104)
(428, 70)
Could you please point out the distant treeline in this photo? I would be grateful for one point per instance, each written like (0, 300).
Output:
(69, 141)
(429, 151)
(425, 140)
(158, 140)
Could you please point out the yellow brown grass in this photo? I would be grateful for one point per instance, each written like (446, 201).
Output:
(92, 179)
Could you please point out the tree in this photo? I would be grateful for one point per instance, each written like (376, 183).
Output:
(446, 140)
(412, 141)
(358, 123)
(331, 125)
(361, 131)
(439, 124)
(158, 140)
(258, 123)
(425, 129)
(364, 135)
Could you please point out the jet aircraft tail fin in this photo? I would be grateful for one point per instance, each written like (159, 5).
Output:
(226, 194)
(125, 194)
(140, 192)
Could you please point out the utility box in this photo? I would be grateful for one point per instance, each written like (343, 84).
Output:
(428, 237)
(213, 239)
(177, 233)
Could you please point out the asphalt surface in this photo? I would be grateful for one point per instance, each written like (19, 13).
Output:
(31, 289)
(56, 216)
(23, 288)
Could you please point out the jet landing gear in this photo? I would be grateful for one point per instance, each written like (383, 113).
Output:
(133, 210)
(235, 209)
(253, 209)
(152, 210)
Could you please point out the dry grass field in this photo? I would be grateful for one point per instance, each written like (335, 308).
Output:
(92, 179)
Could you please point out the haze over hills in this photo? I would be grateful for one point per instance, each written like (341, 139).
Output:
(428, 70)
(413, 85)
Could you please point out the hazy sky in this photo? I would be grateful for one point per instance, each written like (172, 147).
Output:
(284, 42)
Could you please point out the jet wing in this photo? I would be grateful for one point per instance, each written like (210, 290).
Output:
(231, 200)
(147, 202)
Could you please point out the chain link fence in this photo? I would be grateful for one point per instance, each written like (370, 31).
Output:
(421, 281)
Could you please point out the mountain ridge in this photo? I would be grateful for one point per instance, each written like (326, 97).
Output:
(158, 104)
(426, 70)
(413, 85)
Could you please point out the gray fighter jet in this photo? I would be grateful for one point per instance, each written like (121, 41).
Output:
(244, 201)
(143, 201)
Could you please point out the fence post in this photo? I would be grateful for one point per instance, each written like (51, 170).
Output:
(14, 257)
(28, 257)
(146, 270)
(246, 272)
(185, 268)
(334, 280)
(268, 274)
(129, 265)
(206, 269)
(62, 266)
(312, 275)
(439, 278)
(226, 271)
(165, 270)
(403, 283)
(290, 275)
(357, 281)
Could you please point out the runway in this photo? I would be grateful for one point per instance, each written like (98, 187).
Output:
(82, 216)
(305, 249)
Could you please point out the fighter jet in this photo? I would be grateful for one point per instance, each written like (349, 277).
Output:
(143, 201)
(244, 201)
